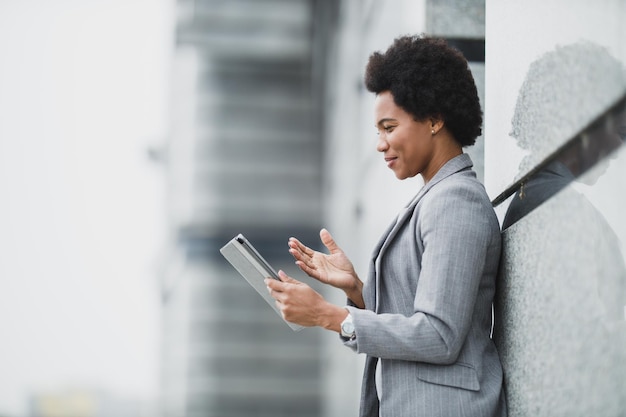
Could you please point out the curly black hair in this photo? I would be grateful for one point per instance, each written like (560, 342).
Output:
(427, 78)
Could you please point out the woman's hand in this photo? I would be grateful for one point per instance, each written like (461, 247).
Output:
(301, 304)
(334, 269)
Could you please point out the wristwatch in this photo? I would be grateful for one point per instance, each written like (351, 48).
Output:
(347, 328)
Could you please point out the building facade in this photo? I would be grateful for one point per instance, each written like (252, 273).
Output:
(244, 156)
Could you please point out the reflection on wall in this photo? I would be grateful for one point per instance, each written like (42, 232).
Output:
(560, 326)
(593, 146)
(564, 91)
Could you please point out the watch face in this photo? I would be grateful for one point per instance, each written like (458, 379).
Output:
(347, 327)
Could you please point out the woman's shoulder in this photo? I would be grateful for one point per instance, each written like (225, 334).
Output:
(462, 185)
(459, 198)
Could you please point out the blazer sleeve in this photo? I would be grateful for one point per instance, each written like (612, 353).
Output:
(455, 229)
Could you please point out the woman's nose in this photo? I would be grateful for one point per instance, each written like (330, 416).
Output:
(381, 144)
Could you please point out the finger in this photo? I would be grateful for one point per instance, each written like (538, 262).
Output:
(296, 244)
(274, 285)
(296, 251)
(286, 278)
(328, 241)
(304, 258)
(310, 271)
(305, 263)
(275, 295)
(298, 255)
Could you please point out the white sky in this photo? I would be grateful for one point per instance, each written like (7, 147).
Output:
(82, 95)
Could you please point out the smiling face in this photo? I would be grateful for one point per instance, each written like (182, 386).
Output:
(409, 146)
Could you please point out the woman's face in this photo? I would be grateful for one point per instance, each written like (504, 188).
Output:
(407, 144)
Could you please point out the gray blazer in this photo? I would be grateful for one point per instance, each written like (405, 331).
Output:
(428, 299)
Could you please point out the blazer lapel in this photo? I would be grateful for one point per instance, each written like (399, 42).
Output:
(456, 164)
(453, 166)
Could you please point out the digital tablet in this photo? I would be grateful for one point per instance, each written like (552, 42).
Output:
(254, 268)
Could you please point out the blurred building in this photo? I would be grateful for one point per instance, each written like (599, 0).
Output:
(245, 156)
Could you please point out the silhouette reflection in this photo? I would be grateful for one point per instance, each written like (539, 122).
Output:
(596, 76)
(594, 146)
(576, 91)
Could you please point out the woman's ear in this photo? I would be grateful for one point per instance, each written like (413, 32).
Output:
(436, 124)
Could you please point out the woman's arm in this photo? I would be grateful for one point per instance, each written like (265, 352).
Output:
(458, 249)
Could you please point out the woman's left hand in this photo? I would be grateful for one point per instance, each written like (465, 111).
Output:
(301, 304)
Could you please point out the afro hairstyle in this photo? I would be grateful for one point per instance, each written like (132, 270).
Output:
(428, 78)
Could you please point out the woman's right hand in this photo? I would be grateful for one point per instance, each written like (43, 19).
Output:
(333, 269)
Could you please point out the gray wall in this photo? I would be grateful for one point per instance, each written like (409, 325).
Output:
(560, 323)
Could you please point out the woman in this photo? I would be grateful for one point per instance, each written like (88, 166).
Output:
(425, 308)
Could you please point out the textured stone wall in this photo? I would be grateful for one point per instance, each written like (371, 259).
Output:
(560, 327)
(552, 69)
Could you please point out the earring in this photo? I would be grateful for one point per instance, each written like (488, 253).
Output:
(433, 131)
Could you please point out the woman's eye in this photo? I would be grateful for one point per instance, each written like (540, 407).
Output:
(388, 128)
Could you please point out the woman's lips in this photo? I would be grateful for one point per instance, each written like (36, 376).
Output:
(390, 160)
